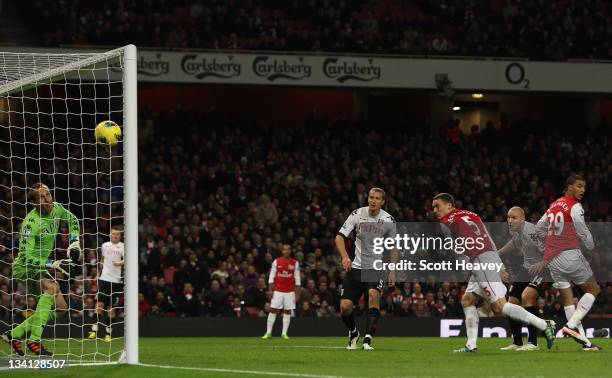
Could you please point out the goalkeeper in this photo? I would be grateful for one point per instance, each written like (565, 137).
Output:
(33, 264)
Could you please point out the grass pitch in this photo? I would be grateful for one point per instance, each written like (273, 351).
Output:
(326, 357)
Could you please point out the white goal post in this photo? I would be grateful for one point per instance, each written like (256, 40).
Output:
(49, 107)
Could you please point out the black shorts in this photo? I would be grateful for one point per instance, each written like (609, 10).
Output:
(358, 282)
(109, 292)
(524, 280)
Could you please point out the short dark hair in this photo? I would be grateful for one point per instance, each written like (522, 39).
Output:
(571, 180)
(445, 197)
(117, 228)
(33, 196)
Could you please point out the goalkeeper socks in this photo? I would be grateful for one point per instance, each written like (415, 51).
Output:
(41, 316)
(372, 320)
(271, 320)
(584, 305)
(516, 312)
(516, 328)
(20, 331)
(471, 326)
(349, 322)
(533, 331)
(286, 321)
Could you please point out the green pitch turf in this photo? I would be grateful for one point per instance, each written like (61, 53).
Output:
(323, 357)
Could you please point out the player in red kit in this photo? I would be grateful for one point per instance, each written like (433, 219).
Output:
(564, 228)
(285, 281)
(465, 225)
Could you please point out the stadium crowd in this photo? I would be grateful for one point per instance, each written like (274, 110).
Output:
(539, 29)
(217, 201)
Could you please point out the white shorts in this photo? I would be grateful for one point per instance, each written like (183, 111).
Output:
(570, 265)
(283, 301)
(487, 283)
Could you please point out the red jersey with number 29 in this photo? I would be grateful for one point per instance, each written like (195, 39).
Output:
(565, 226)
(468, 226)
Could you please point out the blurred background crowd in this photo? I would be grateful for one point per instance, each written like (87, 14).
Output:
(538, 29)
(216, 203)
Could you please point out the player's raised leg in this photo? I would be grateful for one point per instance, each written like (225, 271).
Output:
(51, 300)
(516, 312)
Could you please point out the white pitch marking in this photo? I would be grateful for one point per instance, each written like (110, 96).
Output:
(253, 372)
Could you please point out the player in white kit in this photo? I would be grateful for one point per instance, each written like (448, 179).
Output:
(110, 283)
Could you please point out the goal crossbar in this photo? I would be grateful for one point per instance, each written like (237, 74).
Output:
(46, 67)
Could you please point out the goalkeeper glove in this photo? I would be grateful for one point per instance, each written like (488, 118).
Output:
(57, 264)
(74, 249)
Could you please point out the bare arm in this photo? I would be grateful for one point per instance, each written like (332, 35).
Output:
(346, 261)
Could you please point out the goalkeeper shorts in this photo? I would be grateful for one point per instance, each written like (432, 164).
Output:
(30, 277)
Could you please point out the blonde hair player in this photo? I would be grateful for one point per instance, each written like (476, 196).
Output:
(110, 283)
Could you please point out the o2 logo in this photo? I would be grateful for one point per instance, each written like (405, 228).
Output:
(515, 74)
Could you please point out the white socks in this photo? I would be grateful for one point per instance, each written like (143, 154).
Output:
(569, 311)
(584, 305)
(518, 313)
(471, 325)
(271, 320)
(286, 320)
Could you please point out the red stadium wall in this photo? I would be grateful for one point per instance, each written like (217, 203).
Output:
(263, 104)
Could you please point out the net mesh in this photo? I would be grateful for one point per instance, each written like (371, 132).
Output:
(49, 107)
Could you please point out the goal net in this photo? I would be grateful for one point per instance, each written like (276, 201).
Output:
(50, 105)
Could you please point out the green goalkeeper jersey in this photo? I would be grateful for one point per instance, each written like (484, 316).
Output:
(38, 233)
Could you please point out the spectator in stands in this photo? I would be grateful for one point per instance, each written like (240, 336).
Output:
(256, 296)
(405, 309)
(215, 299)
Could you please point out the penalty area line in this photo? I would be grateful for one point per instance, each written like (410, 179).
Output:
(238, 371)
(307, 346)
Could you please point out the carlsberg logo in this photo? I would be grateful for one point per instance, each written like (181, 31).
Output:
(155, 67)
(273, 68)
(207, 66)
(344, 70)
(147, 65)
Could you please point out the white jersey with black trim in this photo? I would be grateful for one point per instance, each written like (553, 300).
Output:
(367, 228)
(112, 253)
